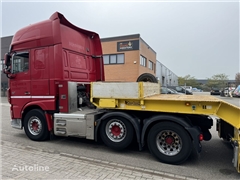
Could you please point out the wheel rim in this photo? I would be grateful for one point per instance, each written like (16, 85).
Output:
(34, 125)
(116, 130)
(169, 142)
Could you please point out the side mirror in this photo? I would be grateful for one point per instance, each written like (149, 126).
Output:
(7, 59)
(7, 63)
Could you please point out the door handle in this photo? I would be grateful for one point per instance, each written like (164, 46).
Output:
(27, 93)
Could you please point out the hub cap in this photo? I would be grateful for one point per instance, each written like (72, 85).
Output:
(168, 142)
(116, 130)
(34, 125)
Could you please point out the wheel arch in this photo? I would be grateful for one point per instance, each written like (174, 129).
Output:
(133, 120)
(28, 108)
(183, 121)
(31, 106)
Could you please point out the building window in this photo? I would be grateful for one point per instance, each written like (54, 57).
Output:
(150, 65)
(120, 58)
(143, 61)
(113, 59)
(106, 59)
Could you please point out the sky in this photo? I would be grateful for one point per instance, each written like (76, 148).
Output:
(197, 38)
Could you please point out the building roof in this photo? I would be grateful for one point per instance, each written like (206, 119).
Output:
(116, 38)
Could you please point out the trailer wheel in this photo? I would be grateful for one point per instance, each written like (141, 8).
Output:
(169, 143)
(116, 132)
(35, 125)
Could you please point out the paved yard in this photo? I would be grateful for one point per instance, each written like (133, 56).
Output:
(25, 162)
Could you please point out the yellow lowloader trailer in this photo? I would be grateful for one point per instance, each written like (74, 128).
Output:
(168, 124)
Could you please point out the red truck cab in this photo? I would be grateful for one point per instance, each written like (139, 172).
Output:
(43, 54)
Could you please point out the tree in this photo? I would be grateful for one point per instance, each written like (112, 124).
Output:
(237, 79)
(181, 80)
(218, 80)
(188, 81)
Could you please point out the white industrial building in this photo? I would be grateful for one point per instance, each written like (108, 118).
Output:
(165, 76)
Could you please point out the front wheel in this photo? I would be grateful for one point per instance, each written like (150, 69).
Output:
(116, 132)
(169, 143)
(35, 125)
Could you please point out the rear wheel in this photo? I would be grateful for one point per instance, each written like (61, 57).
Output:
(35, 125)
(116, 132)
(169, 142)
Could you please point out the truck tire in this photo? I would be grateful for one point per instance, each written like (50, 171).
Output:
(35, 125)
(116, 132)
(147, 77)
(169, 143)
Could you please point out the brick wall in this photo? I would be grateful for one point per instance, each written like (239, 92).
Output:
(147, 52)
(131, 69)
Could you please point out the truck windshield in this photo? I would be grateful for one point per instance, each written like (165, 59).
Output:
(20, 62)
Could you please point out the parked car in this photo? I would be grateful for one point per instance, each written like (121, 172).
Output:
(180, 89)
(165, 90)
(215, 91)
(196, 90)
(236, 92)
(175, 91)
(222, 92)
(189, 88)
(227, 91)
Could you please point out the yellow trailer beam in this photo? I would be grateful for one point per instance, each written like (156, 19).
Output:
(186, 104)
(229, 113)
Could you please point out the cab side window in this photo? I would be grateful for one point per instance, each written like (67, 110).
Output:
(20, 62)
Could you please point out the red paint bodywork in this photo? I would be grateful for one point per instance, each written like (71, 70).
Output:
(58, 51)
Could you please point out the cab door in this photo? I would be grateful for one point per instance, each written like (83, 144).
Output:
(40, 73)
(20, 88)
